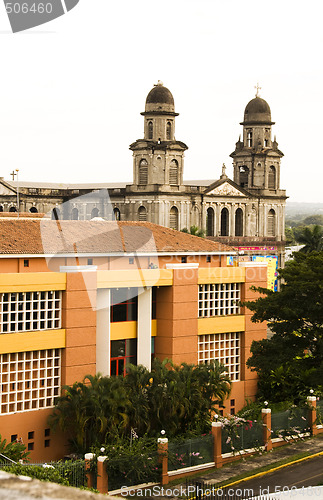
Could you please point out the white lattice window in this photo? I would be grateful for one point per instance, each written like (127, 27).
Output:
(24, 311)
(29, 380)
(225, 348)
(219, 299)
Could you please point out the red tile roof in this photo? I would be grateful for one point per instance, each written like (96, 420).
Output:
(51, 237)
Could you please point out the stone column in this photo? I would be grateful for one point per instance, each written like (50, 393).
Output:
(162, 450)
(144, 327)
(217, 443)
(312, 402)
(102, 477)
(103, 331)
(266, 422)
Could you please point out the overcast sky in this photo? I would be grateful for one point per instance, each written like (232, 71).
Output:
(72, 90)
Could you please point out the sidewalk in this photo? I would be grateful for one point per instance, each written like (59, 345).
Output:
(249, 464)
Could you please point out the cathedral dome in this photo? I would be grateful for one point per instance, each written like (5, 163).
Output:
(257, 111)
(160, 100)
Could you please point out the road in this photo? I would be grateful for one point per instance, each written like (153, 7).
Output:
(306, 473)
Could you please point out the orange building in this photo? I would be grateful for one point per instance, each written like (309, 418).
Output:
(82, 297)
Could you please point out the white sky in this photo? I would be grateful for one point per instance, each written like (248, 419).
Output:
(72, 90)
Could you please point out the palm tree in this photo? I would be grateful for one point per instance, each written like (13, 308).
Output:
(311, 238)
(195, 231)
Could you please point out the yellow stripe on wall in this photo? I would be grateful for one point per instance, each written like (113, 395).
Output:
(32, 341)
(123, 330)
(207, 275)
(32, 282)
(128, 330)
(221, 324)
(134, 277)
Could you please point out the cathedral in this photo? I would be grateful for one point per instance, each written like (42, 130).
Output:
(248, 211)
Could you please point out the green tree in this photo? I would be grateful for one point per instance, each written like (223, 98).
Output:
(178, 399)
(311, 238)
(195, 231)
(289, 236)
(14, 451)
(295, 315)
(314, 219)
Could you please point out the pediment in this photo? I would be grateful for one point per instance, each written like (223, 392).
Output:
(5, 189)
(225, 189)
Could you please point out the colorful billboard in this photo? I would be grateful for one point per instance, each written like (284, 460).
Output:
(272, 266)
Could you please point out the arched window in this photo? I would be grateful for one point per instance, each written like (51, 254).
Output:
(56, 214)
(150, 130)
(168, 131)
(143, 172)
(238, 222)
(75, 214)
(94, 213)
(173, 172)
(173, 218)
(272, 178)
(33, 210)
(142, 214)
(243, 176)
(271, 223)
(12, 209)
(116, 213)
(210, 222)
(224, 222)
(249, 139)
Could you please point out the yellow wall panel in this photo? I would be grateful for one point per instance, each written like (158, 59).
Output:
(221, 275)
(221, 324)
(153, 327)
(32, 341)
(123, 330)
(30, 282)
(135, 277)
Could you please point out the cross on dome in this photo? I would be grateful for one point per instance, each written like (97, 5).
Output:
(257, 89)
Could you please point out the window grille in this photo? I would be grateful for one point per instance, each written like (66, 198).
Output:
(142, 213)
(29, 380)
(223, 347)
(25, 311)
(173, 218)
(173, 173)
(271, 223)
(219, 299)
(143, 172)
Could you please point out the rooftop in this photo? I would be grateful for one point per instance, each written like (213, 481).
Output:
(44, 236)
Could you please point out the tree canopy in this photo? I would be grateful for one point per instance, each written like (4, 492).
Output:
(293, 357)
(179, 399)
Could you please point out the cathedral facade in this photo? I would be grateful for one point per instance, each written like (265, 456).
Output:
(248, 211)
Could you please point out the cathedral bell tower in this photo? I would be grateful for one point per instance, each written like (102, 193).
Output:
(256, 159)
(158, 158)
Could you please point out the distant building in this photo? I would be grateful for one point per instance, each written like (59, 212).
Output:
(248, 211)
(81, 297)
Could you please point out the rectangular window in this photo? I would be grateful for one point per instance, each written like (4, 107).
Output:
(26, 263)
(124, 304)
(14, 437)
(131, 260)
(219, 299)
(31, 435)
(208, 258)
(47, 443)
(29, 380)
(47, 432)
(89, 262)
(30, 446)
(225, 348)
(25, 311)
(184, 260)
(154, 303)
(123, 352)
